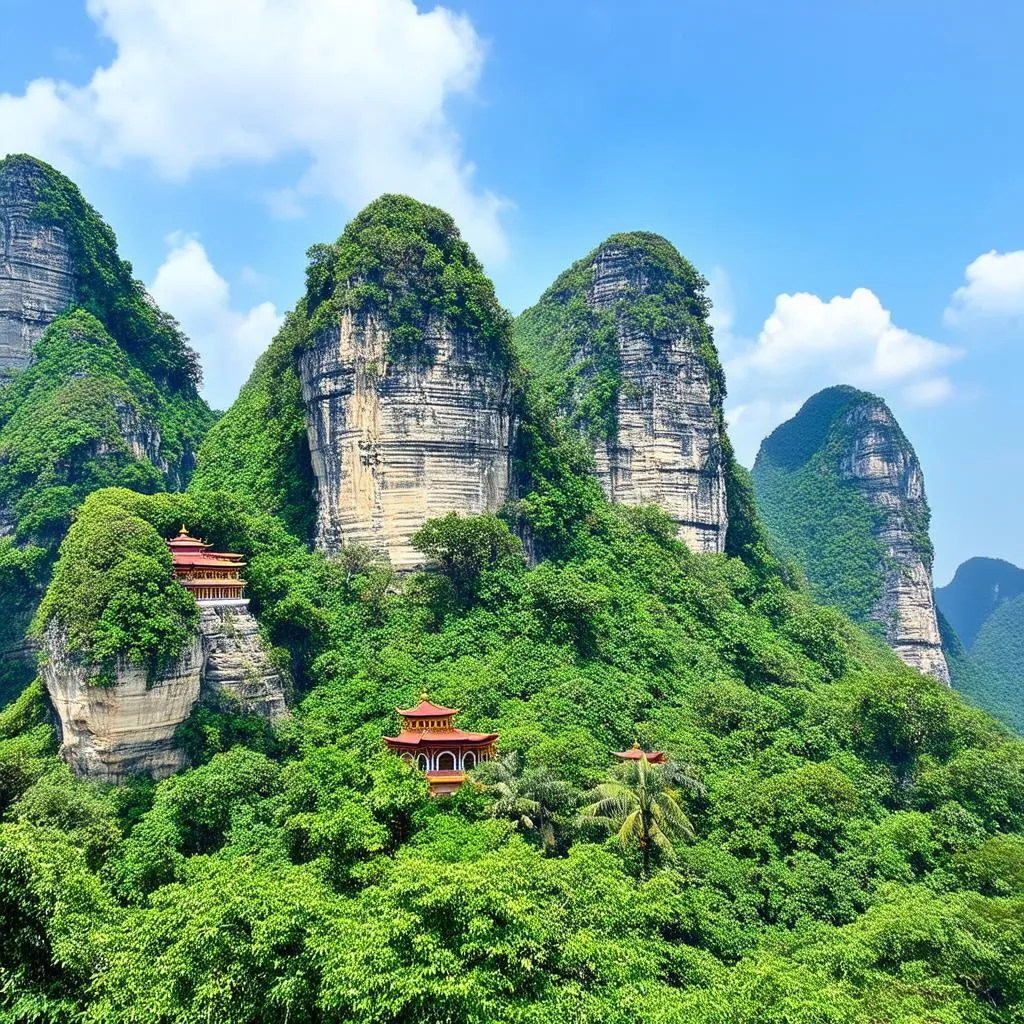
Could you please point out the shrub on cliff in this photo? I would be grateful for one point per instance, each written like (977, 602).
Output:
(113, 592)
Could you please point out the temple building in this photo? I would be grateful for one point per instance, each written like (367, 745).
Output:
(635, 753)
(209, 576)
(445, 753)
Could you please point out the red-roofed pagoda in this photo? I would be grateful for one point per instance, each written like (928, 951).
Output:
(210, 576)
(635, 753)
(445, 753)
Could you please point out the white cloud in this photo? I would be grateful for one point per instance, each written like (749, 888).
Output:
(808, 343)
(357, 89)
(994, 289)
(228, 340)
(853, 336)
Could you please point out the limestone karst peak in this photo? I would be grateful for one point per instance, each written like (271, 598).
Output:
(842, 491)
(621, 343)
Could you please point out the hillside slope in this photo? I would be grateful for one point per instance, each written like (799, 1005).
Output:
(842, 492)
(847, 843)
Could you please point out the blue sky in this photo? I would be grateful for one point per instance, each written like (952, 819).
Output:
(849, 176)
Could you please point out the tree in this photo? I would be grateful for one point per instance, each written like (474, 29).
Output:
(531, 799)
(640, 802)
(462, 547)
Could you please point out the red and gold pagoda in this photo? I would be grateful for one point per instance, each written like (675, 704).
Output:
(445, 753)
(635, 753)
(207, 575)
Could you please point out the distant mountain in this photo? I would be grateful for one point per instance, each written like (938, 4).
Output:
(983, 635)
(979, 587)
(842, 493)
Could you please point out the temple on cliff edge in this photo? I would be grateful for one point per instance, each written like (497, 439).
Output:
(445, 753)
(209, 576)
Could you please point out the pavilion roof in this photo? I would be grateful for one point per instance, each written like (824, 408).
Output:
(425, 709)
(435, 737)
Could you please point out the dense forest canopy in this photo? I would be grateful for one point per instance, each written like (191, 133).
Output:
(840, 838)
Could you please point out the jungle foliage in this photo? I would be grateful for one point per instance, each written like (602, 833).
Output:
(837, 839)
(856, 849)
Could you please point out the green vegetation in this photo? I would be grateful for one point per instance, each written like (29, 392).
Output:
(981, 616)
(104, 285)
(406, 262)
(259, 449)
(63, 423)
(856, 848)
(977, 589)
(821, 522)
(572, 349)
(113, 593)
(836, 839)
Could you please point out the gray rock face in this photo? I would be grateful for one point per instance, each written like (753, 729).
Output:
(36, 273)
(237, 663)
(666, 451)
(394, 443)
(887, 471)
(109, 733)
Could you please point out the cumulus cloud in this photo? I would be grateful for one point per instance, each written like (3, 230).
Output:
(229, 341)
(808, 343)
(994, 289)
(854, 335)
(357, 91)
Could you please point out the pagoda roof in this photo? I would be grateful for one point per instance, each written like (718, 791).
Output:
(436, 737)
(635, 754)
(188, 550)
(425, 709)
(213, 558)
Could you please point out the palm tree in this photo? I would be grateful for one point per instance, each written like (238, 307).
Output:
(640, 802)
(530, 798)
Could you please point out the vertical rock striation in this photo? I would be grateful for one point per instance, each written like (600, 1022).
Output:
(622, 344)
(36, 273)
(842, 491)
(109, 733)
(405, 378)
(396, 442)
(237, 663)
(881, 464)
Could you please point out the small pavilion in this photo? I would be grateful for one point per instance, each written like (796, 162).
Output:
(444, 752)
(635, 753)
(211, 577)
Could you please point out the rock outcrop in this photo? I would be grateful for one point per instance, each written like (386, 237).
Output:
(237, 663)
(881, 463)
(396, 442)
(849, 442)
(109, 733)
(36, 273)
(641, 380)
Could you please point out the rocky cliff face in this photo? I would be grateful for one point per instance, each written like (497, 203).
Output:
(396, 442)
(842, 492)
(639, 377)
(109, 733)
(885, 468)
(666, 450)
(36, 274)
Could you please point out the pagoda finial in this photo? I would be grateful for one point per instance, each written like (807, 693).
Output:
(636, 744)
(424, 695)
(183, 532)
